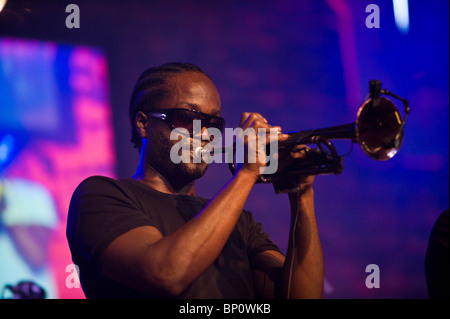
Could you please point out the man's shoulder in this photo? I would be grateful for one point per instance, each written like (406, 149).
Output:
(98, 179)
(98, 184)
(103, 181)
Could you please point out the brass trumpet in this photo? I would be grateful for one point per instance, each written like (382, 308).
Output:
(378, 129)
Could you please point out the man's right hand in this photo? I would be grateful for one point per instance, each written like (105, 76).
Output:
(255, 142)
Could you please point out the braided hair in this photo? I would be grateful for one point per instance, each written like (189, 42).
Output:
(150, 88)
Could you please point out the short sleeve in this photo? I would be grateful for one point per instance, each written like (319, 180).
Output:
(101, 209)
(256, 239)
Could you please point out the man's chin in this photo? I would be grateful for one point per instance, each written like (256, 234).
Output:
(195, 170)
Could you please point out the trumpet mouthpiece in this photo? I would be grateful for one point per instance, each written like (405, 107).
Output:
(198, 152)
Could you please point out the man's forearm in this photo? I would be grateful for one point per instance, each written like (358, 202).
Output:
(304, 255)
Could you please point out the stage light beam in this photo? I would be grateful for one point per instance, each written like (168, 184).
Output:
(401, 15)
(2, 4)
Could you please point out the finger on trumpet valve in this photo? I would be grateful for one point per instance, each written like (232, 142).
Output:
(300, 151)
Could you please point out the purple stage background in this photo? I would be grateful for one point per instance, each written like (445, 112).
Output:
(302, 64)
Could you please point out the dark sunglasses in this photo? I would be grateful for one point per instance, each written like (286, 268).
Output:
(184, 118)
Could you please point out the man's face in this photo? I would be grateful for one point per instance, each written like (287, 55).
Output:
(190, 90)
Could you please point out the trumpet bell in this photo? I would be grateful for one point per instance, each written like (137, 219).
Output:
(379, 129)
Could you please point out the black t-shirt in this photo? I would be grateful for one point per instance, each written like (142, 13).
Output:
(102, 209)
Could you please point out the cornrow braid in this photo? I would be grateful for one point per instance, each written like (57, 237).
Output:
(150, 88)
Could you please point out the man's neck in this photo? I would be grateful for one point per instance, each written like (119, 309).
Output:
(150, 177)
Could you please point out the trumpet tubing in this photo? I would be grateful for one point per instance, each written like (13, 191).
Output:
(378, 129)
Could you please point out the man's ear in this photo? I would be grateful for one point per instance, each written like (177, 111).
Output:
(141, 124)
